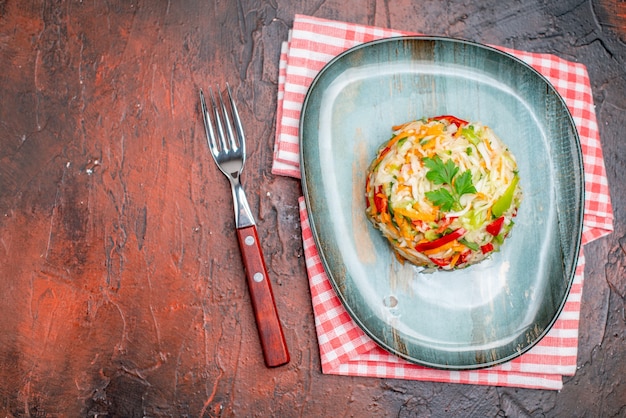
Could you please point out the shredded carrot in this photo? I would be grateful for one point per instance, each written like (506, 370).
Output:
(409, 213)
(398, 137)
(488, 145)
(444, 247)
(455, 245)
(459, 248)
(430, 216)
(436, 129)
(455, 259)
(415, 215)
(391, 143)
(400, 258)
(405, 227)
(430, 144)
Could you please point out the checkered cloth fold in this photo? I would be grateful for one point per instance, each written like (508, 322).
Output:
(344, 348)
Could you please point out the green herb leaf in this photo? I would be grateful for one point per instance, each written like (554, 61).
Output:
(463, 184)
(440, 172)
(444, 173)
(442, 198)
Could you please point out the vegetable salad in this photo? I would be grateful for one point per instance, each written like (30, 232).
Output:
(444, 192)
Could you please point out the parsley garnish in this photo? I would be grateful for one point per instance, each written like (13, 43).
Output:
(463, 184)
(442, 198)
(441, 173)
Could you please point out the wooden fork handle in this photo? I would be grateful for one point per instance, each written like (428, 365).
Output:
(268, 323)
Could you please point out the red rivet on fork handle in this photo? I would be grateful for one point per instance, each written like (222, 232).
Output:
(268, 323)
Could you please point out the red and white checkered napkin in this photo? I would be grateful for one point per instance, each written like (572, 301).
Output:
(344, 347)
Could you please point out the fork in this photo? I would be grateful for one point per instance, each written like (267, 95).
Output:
(228, 147)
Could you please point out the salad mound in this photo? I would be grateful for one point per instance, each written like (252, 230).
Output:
(444, 192)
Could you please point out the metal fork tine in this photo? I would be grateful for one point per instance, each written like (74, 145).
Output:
(238, 127)
(218, 122)
(232, 140)
(208, 126)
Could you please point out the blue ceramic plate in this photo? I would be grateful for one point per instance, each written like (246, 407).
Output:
(488, 313)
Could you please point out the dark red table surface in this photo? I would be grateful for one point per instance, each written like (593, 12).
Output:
(121, 282)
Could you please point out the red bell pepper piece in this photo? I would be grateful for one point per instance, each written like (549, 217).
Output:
(429, 245)
(440, 261)
(380, 200)
(383, 153)
(451, 119)
(464, 257)
(445, 223)
(367, 189)
(495, 227)
(487, 248)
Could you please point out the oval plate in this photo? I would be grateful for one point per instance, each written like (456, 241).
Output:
(486, 314)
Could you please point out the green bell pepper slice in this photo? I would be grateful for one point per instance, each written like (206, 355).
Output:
(504, 202)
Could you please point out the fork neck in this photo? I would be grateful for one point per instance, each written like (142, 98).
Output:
(243, 214)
